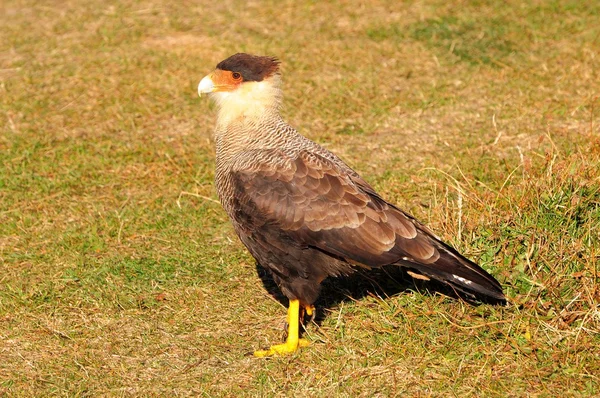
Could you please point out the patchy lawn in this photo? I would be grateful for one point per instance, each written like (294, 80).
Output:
(119, 271)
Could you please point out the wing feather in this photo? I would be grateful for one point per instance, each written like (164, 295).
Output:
(312, 202)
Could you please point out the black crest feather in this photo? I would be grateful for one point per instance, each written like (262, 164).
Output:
(251, 67)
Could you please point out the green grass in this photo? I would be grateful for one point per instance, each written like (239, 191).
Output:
(120, 275)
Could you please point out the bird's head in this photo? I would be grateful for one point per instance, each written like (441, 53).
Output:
(237, 71)
(244, 85)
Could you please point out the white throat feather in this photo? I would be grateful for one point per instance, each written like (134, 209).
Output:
(250, 101)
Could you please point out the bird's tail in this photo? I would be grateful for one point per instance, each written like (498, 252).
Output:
(461, 274)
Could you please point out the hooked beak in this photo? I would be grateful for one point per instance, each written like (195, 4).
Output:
(206, 85)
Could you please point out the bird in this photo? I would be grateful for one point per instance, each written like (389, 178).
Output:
(301, 211)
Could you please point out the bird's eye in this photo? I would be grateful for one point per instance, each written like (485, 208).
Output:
(236, 75)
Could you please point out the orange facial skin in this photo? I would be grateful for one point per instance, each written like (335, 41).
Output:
(225, 80)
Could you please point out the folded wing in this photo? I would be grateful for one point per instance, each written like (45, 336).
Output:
(319, 204)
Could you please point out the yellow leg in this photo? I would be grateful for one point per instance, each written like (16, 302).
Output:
(293, 342)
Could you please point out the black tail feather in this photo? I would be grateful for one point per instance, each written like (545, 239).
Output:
(460, 273)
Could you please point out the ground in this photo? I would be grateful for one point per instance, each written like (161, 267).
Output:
(120, 274)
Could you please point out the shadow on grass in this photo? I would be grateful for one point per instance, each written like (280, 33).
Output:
(383, 282)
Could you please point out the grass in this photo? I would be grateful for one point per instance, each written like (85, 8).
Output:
(120, 275)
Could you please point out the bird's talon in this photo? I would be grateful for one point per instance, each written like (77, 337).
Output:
(310, 311)
(286, 348)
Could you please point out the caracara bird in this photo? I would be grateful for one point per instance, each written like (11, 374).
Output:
(302, 212)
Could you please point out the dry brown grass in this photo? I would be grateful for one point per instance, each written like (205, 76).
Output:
(119, 275)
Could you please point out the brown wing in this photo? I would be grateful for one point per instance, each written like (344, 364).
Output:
(318, 204)
(313, 200)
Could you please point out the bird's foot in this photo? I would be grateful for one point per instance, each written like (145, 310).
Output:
(292, 341)
(287, 348)
(310, 311)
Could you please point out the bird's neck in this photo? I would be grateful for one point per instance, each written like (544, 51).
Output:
(248, 119)
(251, 102)
(247, 134)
